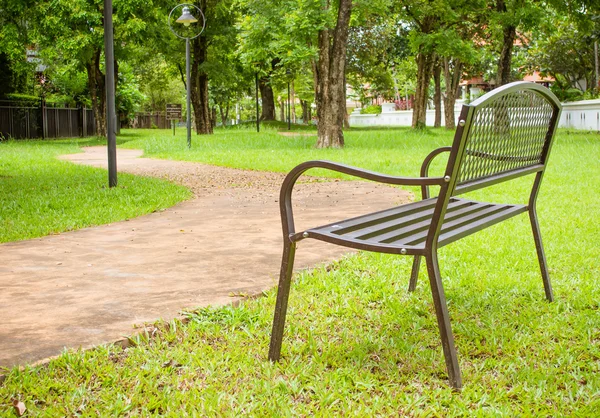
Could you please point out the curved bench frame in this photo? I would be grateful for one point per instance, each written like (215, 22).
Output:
(505, 134)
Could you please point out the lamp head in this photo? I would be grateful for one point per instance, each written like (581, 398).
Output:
(186, 17)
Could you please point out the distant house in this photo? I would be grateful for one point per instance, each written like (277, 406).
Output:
(476, 86)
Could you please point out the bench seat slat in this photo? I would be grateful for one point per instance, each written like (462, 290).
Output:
(374, 218)
(412, 218)
(413, 232)
(470, 222)
(449, 236)
(393, 229)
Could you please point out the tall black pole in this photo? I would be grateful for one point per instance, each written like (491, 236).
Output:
(111, 118)
(597, 66)
(189, 92)
(257, 117)
(288, 103)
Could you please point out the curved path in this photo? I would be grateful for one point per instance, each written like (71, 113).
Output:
(91, 286)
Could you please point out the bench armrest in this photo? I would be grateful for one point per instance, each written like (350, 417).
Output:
(285, 196)
(425, 168)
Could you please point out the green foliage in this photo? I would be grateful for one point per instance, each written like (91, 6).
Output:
(15, 71)
(22, 97)
(128, 98)
(567, 94)
(67, 83)
(371, 110)
(562, 50)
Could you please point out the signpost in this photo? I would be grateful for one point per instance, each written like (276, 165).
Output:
(173, 114)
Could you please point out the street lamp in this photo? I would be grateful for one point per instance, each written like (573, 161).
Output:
(188, 32)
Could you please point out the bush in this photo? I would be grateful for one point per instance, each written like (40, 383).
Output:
(371, 110)
(567, 94)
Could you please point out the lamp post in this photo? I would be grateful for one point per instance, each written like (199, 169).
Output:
(288, 101)
(189, 32)
(257, 113)
(111, 119)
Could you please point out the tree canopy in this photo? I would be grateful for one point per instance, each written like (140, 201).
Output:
(410, 51)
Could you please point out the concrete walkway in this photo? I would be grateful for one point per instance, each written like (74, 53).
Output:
(91, 286)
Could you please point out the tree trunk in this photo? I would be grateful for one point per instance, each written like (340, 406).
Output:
(268, 101)
(292, 102)
(345, 106)
(331, 96)
(213, 116)
(437, 95)
(199, 88)
(118, 115)
(96, 83)
(509, 33)
(305, 115)
(224, 113)
(505, 60)
(424, 69)
(282, 110)
(452, 75)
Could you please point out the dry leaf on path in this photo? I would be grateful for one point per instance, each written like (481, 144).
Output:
(19, 407)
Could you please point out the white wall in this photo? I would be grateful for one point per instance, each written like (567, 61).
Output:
(581, 115)
(575, 115)
(396, 118)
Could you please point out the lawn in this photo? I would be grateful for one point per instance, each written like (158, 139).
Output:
(42, 195)
(357, 343)
(398, 151)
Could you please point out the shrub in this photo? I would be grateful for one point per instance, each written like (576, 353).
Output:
(371, 110)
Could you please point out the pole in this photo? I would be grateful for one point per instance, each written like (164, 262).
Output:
(189, 92)
(597, 86)
(109, 55)
(288, 106)
(257, 117)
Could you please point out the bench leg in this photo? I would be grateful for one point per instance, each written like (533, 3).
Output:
(414, 274)
(283, 291)
(443, 319)
(539, 248)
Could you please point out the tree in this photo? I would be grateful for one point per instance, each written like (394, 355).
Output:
(565, 46)
(331, 80)
(72, 31)
(566, 53)
(440, 30)
(456, 49)
(261, 31)
(217, 40)
(375, 46)
(424, 18)
(505, 20)
(14, 37)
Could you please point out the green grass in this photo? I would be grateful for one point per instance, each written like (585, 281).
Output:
(41, 195)
(398, 151)
(357, 343)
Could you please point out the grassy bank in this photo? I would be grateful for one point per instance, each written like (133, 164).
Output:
(41, 195)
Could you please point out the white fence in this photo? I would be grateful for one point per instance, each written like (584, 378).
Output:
(575, 115)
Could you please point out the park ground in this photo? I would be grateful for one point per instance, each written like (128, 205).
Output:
(357, 342)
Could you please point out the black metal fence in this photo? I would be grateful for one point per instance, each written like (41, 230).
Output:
(39, 121)
(157, 120)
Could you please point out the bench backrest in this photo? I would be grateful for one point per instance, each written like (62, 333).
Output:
(504, 134)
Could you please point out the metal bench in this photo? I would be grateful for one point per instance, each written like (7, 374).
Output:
(503, 135)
